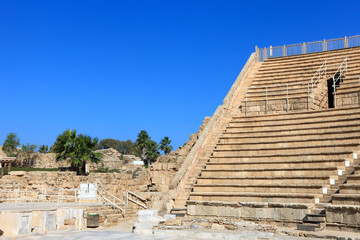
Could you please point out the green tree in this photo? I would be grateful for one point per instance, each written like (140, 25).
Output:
(108, 143)
(151, 152)
(165, 145)
(142, 141)
(77, 149)
(43, 149)
(124, 147)
(27, 154)
(127, 147)
(10, 145)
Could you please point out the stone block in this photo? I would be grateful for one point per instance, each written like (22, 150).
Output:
(69, 221)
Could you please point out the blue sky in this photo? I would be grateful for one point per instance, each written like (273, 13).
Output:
(112, 68)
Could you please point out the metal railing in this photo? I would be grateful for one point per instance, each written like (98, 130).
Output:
(322, 72)
(339, 75)
(59, 195)
(111, 200)
(285, 90)
(310, 47)
(137, 197)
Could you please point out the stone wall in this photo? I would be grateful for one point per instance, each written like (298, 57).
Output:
(115, 183)
(112, 159)
(348, 99)
(343, 217)
(277, 106)
(285, 214)
(181, 153)
(161, 175)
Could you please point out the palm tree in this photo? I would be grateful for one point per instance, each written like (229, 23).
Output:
(141, 141)
(152, 152)
(165, 145)
(76, 149)
(43, 149)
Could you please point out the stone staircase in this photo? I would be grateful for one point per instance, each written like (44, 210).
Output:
(281, 157)
(223, 118)
(288, 158)
(293, 73)
(179, 206)
(110, 216)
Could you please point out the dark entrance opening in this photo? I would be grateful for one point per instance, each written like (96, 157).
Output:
(330, 84)
(330, 93)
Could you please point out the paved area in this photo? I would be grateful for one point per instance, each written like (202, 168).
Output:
(124, 231)
(168, 235)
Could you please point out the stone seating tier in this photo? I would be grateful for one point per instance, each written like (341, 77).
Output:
(302, 161)
(273, 165)
(300, 70)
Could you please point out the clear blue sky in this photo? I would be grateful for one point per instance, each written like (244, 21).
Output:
(112, 68)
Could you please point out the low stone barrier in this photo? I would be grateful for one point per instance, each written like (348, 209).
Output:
(343, 217)
(276, 213)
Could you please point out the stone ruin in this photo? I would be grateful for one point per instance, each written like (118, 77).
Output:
(280, 160)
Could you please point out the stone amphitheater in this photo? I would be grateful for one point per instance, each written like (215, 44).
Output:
(279, 155)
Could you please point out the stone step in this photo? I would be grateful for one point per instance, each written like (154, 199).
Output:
(316, 217)
(311, 114)
(347, 90)
(290, 144)
(285, 156)
(310, 57)
(321, 180)
(314, 124)
(306, 64)
(290, 138)
(243, 164)
(307, 131)
(113, 217)
(259, 100)
(272, 172)
(262, 188)
(346, 199)
(311, 226)
(273, 81)
(350, 188)
(301, 119)
(305, 150)
(353, 179)
(255, 197)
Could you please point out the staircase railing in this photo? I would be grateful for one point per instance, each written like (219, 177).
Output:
(309, 47)
(129, 196)
(323, 71)
(113, 203)
(315, 81)
(338, 75)
(286, 89)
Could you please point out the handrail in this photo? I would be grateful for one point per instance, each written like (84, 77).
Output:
(309, 47)
(142, 199)
(111, 203)
(135, 201)
(113, 196)
(338, 75)
(322, 70)
(276, 91)
(48, 195)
